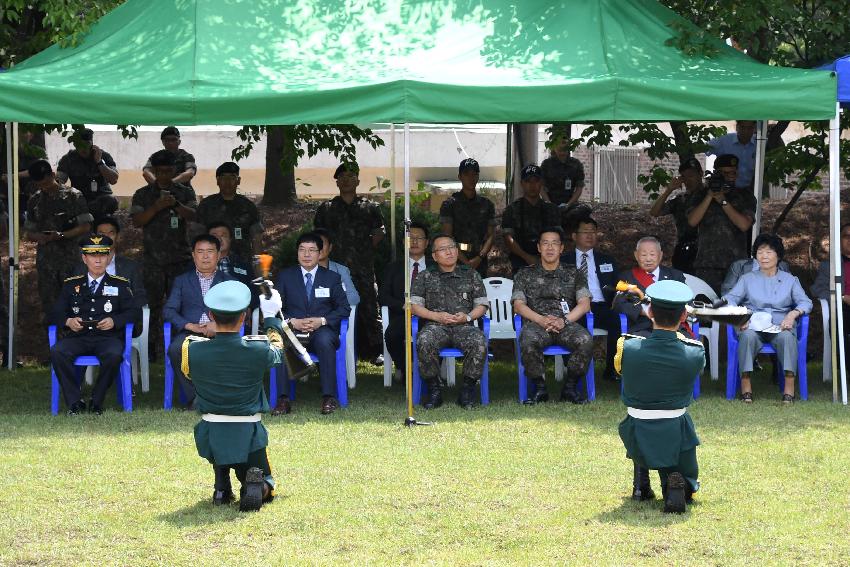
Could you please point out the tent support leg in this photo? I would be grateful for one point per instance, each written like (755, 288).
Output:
(836, 285)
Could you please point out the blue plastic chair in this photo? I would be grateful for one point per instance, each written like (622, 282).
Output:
(168, 396)
(733, 377)
(624, 325)
(341, 371)
(419, 387)
(526, 388)
(123, 386)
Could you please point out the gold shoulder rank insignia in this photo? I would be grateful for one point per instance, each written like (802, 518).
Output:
(72, 278)
(618, 356)
(122, 278)
(257, 338)
(687, 340)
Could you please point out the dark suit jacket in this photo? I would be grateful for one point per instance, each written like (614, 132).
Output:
(606, 279)
(334, 308)
(391, 290)
(113, 298)
(126, 268)
(185, 304)
(636, 322)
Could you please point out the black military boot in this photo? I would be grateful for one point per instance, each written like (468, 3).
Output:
(435, 395)
(540, 393)
(223, 491)
(467, 394)
(674, 496)
(641, 488)
(252, 491)
(570, 392)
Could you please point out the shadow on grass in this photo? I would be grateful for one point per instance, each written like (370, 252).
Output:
(201, 513)
(644, 514)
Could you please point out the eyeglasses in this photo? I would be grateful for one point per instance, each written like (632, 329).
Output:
(550, 243)
(448, 248)
(302, 250)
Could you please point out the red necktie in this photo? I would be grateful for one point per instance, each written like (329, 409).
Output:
(415, 273)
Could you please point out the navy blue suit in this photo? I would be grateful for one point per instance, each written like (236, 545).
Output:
(328, 300)
(185, 304)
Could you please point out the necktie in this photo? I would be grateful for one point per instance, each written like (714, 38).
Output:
(652, 276)
(93, 286)
(415, 273)
(308, 284)
(583, 267)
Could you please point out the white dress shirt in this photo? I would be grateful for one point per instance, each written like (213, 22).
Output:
(592, 279)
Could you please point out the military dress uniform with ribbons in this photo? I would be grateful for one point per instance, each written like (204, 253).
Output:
(658, 376)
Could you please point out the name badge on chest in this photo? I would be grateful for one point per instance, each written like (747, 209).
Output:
(606, 268)
(323, 292)
(175, 221)
(110, 290)
(237, 233)
(565, 307)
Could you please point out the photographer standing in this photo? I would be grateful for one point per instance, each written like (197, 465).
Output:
(690, 177)
(723, 215)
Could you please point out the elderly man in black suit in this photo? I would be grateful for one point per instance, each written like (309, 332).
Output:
(601, 272)
(648, 271)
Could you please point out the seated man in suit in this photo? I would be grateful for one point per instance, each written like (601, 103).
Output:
(315, 303)
(601, 273)
(185, 308)
(647, 272)
(231, 265)
(343, 271)
(391, 294)
(94, 307)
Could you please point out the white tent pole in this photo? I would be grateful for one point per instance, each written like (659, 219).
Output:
(393, 255)
(836, 285)
(11, 188)
(758, 174)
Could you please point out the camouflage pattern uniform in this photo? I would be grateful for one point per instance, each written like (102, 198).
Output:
(183, 160)
(469, 219)
(720, 242)
(84, 175)
(166, 248)
(55, 261)
(352, 227)
(243, 217)
(685, 233)
(524, 221)
(556, 173)
(458, 291)
(543, 291)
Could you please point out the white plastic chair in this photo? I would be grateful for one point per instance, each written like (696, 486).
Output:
(501, 312)
(712, 331)
(350, 363)
(255, 321)
(827, 341)
(447, 367)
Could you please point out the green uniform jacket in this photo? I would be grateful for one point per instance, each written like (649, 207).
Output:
(658, 374)
(228, 372)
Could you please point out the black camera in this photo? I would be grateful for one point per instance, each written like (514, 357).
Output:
(715, 181)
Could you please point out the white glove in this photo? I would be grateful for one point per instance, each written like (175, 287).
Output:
(271, 306)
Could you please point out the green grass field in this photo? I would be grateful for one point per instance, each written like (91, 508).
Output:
(505, 484)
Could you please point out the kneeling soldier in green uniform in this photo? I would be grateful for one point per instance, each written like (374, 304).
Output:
(227, 372)
(658, 381)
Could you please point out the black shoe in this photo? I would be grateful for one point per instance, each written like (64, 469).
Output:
(252, 491)
(611, 376)
(223, 497)
(435, 397)
(77, 408)
(674, 497)
(572, 395)
(540, 394)
(467, 394)
(95, 409)
(378, 360)
(643, 493)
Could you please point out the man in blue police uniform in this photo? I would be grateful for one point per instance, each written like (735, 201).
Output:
(94, 307)
(227, 371)
(658, 379)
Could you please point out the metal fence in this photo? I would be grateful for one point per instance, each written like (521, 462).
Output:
(615, 173)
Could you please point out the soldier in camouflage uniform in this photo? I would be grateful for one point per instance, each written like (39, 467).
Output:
(237, 211)
(690, 177)
(90, 170)
(356, 227)
(184, 162)
(56, 217)
(523, 220)
(724, 218)
(447, 298)
(470, 219)
(551, 297)
(162, 211)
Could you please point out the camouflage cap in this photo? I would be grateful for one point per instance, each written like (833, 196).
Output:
(726, 160)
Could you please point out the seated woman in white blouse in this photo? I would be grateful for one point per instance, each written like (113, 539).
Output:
(779, 296)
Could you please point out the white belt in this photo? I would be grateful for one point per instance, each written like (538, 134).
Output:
(216, 418)
(656, 413)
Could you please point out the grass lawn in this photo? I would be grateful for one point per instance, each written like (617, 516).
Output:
(505, 484)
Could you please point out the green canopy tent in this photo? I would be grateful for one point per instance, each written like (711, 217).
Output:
(397, 61)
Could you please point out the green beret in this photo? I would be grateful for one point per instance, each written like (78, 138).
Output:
(228, 297)
(670, 294)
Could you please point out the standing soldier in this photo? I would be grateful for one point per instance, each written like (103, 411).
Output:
(470, 219)
(162, 211)
(690, 177)
(56, 217)
(523, 220)
(551, 297)
(184, 162)
(227, 371)
(658, 382)
(448, 297)
(90, 170)
(356, 228)
(237, 211)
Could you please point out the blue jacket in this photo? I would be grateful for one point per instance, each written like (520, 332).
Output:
(185, 303)
(334, 308)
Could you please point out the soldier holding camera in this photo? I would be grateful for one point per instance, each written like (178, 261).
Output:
(56, 217)
(723, 215)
